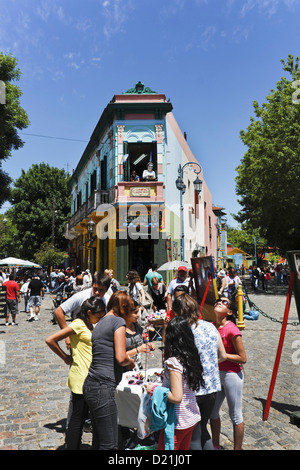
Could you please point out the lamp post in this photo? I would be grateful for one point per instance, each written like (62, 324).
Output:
(90, 228)
(182, 187)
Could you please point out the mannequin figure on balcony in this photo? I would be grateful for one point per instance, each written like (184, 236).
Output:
(149, 173)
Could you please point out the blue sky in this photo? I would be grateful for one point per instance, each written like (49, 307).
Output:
(212, 58)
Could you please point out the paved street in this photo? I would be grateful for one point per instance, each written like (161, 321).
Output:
(35, 397)
(261, 339)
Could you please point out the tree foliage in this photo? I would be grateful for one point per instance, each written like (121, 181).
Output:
(49, 256)
(9, 243)
(12, 118)
(241, 239)
(248, 241)
(32, 198)
(268, 180)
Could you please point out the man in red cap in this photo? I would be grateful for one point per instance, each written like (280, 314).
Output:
(181, 279)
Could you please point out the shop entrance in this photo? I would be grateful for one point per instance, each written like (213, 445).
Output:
(141, 255)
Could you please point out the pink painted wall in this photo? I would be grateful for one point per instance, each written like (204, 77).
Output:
(210, 243)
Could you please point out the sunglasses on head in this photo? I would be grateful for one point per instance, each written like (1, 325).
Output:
(223, 301)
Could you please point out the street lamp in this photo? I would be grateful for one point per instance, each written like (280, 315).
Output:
(182, 187)
(90, 228)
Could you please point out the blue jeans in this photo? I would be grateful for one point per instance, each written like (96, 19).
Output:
(100, 398)
(78, 416)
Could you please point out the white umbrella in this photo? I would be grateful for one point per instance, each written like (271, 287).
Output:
(16, 262)
(173, 265)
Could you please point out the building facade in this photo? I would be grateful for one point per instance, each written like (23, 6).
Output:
(137, 221)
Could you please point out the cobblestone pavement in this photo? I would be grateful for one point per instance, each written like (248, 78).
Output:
(35, 397)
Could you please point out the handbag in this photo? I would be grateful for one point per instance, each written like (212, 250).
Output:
(148, 302)
(144, 416)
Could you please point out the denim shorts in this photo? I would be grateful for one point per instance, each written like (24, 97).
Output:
(35, 301)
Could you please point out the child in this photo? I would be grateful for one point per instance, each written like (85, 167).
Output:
(182, 375)
(230, 373)
(80, 333)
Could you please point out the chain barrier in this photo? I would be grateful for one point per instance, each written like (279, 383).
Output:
(252, 304)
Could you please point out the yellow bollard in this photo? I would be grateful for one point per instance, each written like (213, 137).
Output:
(240, 323)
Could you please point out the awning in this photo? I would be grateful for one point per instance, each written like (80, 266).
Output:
(16, 262)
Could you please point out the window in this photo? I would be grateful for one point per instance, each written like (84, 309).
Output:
(104, 173)
(93, 181)
(139, 155)
(79, 199)
(196, 196)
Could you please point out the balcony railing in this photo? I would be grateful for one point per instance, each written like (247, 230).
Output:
(126, 191)
(88, 207)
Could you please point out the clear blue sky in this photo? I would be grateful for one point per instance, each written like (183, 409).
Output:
(212, 58)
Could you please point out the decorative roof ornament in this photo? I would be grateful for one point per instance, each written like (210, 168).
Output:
(140, 89)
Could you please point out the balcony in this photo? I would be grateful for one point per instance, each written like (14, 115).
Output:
(88, 207)
(139, 192)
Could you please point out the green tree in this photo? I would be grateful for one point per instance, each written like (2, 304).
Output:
(9, 242)
(241, 239)
(49, 256)
(248, 241)
(12, 117)
(35, 215)
(268, 180)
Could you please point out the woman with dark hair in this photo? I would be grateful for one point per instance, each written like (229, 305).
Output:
(231, 374)
(134, 336)
(211, 351)
(109, 358)
(183, 376)
(80, 334)
(136, 290)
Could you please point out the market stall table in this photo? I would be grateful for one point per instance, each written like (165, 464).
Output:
(155, 325)
(128, 395)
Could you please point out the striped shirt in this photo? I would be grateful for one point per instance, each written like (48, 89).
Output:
(187, 411)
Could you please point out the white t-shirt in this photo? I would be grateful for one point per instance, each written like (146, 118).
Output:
(135, 291)
(176, 282)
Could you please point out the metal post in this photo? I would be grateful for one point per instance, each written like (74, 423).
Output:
(181, 226)
(280, 346)
(53, 221)
(240, 324)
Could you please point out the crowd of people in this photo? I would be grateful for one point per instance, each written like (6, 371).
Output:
(202, 360)
(32, 289)
(229, 280)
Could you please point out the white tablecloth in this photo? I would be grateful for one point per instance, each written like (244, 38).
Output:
(128, 398)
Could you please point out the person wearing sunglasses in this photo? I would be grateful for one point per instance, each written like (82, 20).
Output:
(231, 374)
